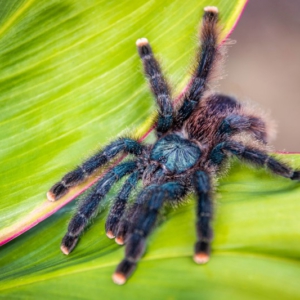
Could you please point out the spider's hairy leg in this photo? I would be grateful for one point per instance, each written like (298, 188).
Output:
(158, 84)
(133, 212)
(78, 175)
(236, 123)
(128, 221)
(88, 208)
(119, 206)
(207, 58)
(155, 196)
(202, 185)
(254, 156)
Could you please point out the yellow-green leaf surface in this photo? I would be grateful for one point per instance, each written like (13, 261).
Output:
(71, 81)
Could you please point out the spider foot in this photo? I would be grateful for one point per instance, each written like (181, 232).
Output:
(296, 175)
(68, 244)
(123, 271)
(201, 258)
(122, 232)
(142, 42)
(119, 240)
(211, 9)
(111, 227)
(57, 191)
(110, 234)
(202, 250)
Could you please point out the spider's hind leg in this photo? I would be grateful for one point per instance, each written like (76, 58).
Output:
(158, 84)
(78, 175)
(88, 208)
(153, 198)
(253, 156)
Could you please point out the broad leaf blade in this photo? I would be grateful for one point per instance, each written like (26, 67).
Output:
(255, 252)
(70, 80)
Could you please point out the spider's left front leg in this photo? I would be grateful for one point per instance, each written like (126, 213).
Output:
(88, 208)
(102, 157)
(158, 84)
(152, 200)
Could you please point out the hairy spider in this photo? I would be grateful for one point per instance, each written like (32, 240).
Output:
(193, 143)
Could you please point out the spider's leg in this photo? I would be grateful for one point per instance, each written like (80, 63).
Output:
(207, 59)
(202, 185)
(155, 196)
(254, 156)
(78, 175)
(88, 208)
(119, 206)
(127, 222)
(158, 84)
(236, 123)
(132, 214)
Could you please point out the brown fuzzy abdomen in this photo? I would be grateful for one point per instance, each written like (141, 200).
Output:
(205, 121)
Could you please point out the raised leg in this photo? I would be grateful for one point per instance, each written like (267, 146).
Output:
(206, 62)
(254, 156)
(119, 206)
(88, 208)
(158, 86)
(153, 198)
(78, 175)
(202, 185)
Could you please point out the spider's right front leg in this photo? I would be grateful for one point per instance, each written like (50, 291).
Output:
(207, 58)
(79, 174)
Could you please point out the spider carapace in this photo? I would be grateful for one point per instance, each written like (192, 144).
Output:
(194, 140)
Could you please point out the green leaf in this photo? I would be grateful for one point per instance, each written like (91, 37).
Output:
(256, 250)
(70, 81)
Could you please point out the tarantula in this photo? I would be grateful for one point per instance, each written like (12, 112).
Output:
(193, 143)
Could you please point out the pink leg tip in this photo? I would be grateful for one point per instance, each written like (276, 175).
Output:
(142, 42)
(51, 196)
(212, 9)
(119, 278)
(64, 250)
(201, 258)
(110, 234)
(119, 240)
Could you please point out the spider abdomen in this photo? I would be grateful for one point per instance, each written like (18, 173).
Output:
(208, 116)
(175, 153)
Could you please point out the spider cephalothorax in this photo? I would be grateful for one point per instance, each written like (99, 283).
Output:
(192, 144)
